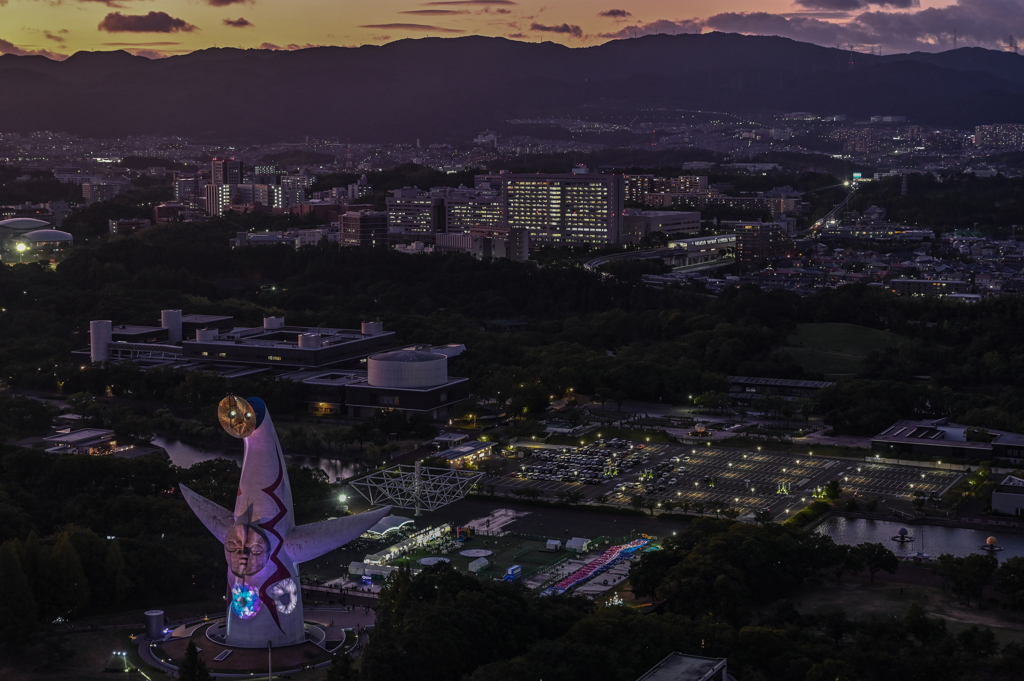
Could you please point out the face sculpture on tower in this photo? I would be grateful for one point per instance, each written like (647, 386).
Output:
(262, 545)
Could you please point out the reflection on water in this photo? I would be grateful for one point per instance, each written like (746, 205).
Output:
(927, 538)
(185, 455)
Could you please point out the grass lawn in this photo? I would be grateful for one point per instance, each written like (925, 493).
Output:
(505, 555)
(835, 348)
(861, 599)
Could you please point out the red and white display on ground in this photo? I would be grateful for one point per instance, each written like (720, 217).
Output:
(262, 545)
(596, 566)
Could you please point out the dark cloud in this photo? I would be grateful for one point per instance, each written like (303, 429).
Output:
(473, 2)
(146, 44)
(55, 37)
(154, 22)
(240, 22)
(290, 47)
(568, 29)
(655, 28)
(982, 23)
(413, 27)
(435, 12)
(10, 48)
(151, 54)
(116, 4)
(615, 14)
(516, 36)
(850, 5)
(225, 3)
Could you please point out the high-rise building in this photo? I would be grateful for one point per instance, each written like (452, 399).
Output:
(364, 228)
(409, 211)
(226, 171)
(360, 189)
(580, 208)
(185, 186)
(758, 243)
(93, 192)
(442, 210)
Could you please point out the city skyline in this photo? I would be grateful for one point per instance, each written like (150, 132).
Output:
(172, 27)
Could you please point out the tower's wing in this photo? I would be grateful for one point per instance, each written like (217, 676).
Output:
(218, 520)
(307, 542)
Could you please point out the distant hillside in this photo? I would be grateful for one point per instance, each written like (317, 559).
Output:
(450, 88)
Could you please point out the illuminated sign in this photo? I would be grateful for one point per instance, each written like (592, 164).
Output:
(856, 176)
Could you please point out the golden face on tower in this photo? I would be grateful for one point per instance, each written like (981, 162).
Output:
(236, 416)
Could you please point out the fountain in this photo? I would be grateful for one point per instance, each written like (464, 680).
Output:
(902, 536)
(991, 545)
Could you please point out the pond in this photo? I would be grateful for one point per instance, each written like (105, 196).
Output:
(185, 455)
(928, 539)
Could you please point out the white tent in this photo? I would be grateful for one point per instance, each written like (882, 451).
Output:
(577, 544)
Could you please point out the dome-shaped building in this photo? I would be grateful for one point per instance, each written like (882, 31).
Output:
(47, 238)
(37, 245)
(18, 226)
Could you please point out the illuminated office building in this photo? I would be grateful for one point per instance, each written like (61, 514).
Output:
(579, 208)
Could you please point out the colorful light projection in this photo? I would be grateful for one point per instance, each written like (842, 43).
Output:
(245, 601)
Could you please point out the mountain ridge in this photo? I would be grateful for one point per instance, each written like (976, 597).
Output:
(450, 88)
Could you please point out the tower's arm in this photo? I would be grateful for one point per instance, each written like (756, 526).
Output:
(307, 542)
(218, 520)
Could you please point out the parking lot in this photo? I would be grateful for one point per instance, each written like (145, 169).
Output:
(742, 479)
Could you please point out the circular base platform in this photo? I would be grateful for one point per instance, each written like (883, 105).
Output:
(432, 560)
(476, 553)
(221, 658)
(902, 539)
(990, 548)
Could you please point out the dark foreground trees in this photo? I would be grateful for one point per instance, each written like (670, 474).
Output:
(443, 625)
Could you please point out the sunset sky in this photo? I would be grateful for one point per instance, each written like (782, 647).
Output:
(157, 28)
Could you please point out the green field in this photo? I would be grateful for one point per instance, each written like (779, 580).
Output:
(508, 551)
(836, 349)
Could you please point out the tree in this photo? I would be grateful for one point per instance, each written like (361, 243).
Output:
(877, 558)
(967, 577)
(842, 559)
(341, 669)
(833, 489)
(763, 516)
(117, 580)
(835, 625)
(685, 506)
(192, 667)
(1010, 578)
(668, 506)
(70, 585)
(637, 501)
(601, 498)
(17, 605)
(650, 504)
(700, 508)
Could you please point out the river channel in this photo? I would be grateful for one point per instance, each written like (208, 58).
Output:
(185, 455)
(928, 539)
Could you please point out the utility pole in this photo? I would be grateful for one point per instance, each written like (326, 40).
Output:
(270, 664)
